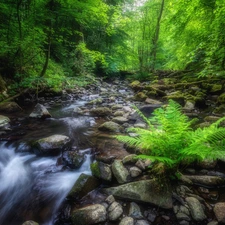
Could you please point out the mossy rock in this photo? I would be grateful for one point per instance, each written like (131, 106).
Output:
(177, 96)
(110, 126)
(220, 109)
(136, 85)
(140, 96)
(216, 88)
(83, 185)
(2, 84)
(221, 98)
(100, 111)
(97, 101)
(101, 170)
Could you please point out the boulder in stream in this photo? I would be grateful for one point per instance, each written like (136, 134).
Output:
(51, 145)
(40, 112)
(110, 126)
(4, 122)
(100, 111)
(73, 159)
(83, 185)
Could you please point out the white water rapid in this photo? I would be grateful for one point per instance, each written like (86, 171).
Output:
(34, 187)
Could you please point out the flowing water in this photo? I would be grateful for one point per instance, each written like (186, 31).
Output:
(33, 187)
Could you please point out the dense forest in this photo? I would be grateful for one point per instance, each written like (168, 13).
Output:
(57, 43)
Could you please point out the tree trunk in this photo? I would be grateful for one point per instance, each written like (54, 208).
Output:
(155, 38)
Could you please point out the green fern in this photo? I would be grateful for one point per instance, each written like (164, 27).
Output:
(170, 138)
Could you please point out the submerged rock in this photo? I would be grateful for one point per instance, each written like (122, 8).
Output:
(148, 191)
(40, 112)
(89, 215)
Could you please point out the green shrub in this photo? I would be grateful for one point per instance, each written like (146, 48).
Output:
(171, 140)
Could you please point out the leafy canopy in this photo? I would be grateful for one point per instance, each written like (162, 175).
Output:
(171, 140)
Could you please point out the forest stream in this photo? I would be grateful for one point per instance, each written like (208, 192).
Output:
(34, 187)
(38, 187)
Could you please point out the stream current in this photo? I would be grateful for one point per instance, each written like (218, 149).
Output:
(34, 187)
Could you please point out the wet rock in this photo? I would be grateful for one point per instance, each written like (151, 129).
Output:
(97, 101)
(213, 223)
(149, 191)
(101, 170)
(73, 159)
(51, 145)
(117, 106)
(140, 96)
(40, 112)
(120, 120)
(4, 122)
(153, 101)
(219, 210)
(150, 215)
(127, 221)
(115, 210)
(130, 159)
(135, 171)
(142, 222)
(120, 172)
(118, 113)
(110, 199)
(10, 107)
(216, 88)
(84, 184)
(101, 111)
(196, 209)
(206, 180)
(136, 85)
(135, 211)
(189, 106)
(30, 222)
(207, 164)
(148, 109)
(182, 213)
(89, 215)
(110, 126)
(221, 98)
(140, 164)
(109, 148)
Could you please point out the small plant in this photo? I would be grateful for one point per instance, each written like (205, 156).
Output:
(171, 140)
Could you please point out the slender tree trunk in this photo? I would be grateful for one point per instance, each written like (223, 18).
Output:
(19, 51)
(156, 37)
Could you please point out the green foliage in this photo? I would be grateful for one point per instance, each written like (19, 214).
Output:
(171, 140)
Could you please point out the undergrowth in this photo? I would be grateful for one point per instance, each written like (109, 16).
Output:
(171, 140)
